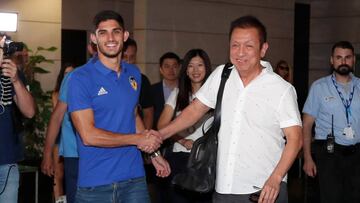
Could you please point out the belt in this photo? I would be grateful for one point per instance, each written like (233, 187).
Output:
(342, 149)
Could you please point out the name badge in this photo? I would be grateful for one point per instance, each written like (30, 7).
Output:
(349, 132)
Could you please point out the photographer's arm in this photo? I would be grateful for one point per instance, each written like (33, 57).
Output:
(22, 98)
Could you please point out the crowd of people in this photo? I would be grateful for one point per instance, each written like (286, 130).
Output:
(113, 137)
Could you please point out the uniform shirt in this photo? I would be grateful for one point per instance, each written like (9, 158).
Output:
(193, 132)
(113, 100)
(67, 147)
(251, 139)
(323, 101)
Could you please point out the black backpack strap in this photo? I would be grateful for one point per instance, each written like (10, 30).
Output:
(217, 115)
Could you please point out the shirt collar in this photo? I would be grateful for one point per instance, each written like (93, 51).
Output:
(99, 66)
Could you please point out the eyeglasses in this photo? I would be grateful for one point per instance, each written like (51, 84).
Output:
(284, 68)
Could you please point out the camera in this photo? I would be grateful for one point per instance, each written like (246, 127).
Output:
(11, 47)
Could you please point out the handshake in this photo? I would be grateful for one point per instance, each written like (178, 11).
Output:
(149, 141)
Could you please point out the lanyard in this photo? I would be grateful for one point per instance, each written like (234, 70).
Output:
(346, 102)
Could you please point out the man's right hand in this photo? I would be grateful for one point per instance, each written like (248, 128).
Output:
(149, 141)
(47, 166)
(309, 167)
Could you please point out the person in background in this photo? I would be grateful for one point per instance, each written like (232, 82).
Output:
(169, 71)
(169, 64)
(333, 105)
(61, 130)
(195, 69)
(283, 69)
(145, 100)
(13, 94)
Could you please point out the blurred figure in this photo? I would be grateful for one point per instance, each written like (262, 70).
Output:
(13, 94)
(169, 64)
(284, 70)
(60, 124)
(57, 159)
(145, 99)
(195, 69)
(92, 49)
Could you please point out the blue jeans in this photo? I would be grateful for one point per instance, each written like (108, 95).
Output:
(129, 191)
(71, 166)
(9, 183)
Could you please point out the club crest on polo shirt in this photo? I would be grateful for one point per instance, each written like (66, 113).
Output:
(102, 91)
(133, 82)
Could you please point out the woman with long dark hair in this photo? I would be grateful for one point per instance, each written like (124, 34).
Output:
(195, 69)
(58, 162)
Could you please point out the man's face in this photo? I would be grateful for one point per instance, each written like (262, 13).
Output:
(130, 55)
(342, 61)
(245, 50)
(109, 37)
(170, 69)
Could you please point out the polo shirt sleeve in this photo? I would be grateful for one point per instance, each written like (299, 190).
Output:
(288, 111)
(63, 89)
(79, 97)
(312, 103)
(208, 92)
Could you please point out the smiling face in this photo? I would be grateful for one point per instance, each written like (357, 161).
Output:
(196, 70)
(246, 50)
(109, 37)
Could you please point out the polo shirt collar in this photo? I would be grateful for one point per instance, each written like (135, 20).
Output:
(99, 66)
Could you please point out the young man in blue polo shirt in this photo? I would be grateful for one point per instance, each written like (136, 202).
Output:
(102, 98)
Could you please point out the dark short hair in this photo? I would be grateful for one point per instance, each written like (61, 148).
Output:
(169, 55)
(107, 15)
(249, 21)
(129, 42)
(343, 45)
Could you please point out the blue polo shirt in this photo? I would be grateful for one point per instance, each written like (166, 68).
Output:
(323, 101)
(113, 100)
(67, 147)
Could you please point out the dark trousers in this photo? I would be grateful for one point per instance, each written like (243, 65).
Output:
(230, 198)
(339, 173)
(71, 166)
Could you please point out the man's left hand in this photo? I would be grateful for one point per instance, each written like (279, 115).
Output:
(270, 190)
(162, 166)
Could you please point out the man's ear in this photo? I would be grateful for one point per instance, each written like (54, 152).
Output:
(263, 50)
(93, 38)
(126, 35)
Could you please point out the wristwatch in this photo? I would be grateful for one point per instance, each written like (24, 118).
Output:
(155, 154)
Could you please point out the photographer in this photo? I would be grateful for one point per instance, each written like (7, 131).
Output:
(13, 93)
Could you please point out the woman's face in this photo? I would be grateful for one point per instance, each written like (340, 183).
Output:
(196, 70)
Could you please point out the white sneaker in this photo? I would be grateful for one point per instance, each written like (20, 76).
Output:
(61, 199)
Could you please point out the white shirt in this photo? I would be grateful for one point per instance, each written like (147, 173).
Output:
(195, 131)
(251, 140)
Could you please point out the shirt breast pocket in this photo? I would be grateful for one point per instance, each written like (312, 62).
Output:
(331, 102)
